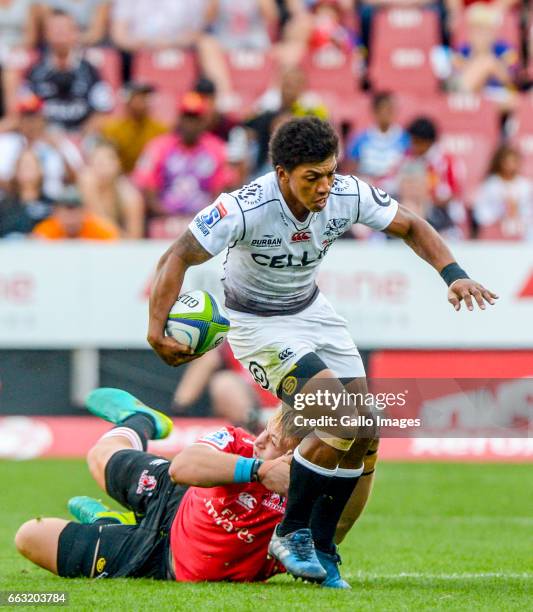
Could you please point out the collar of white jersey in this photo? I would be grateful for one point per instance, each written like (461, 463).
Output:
(288, 212)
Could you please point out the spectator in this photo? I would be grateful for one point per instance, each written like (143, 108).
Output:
(70, 86)
(426, 155)
(234, 25)
(91, 16)
(483, 64)
(59, 158)
(136, 25)
(503, 205)
(109, 194)
(24, 205)
(289, 99)
(19, 21)
(131, 132)
(182, 172)
(375, 153)
(329, 25)
(70, 221)
(19, 30)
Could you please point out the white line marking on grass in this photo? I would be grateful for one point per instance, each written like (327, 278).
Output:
(465, 576)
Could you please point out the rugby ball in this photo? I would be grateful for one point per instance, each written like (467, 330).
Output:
(198, 320)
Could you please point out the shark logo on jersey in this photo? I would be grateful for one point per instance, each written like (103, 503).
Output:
(336, 227)
(268, 241)
(340, 184)
(381, 198)
(251, 194)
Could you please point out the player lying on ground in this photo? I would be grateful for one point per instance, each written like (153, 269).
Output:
(208, 515)
(276, 232)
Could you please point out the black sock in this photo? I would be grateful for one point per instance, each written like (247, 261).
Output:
(107, 521)
(304, 489)
(143, 425)
(327, 512)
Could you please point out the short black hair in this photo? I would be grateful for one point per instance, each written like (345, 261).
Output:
(423, 128)
(303, 140)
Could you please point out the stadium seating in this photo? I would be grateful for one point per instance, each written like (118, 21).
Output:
(171, 71)
(402, 40)
(107, 61)
(251, 74)
(509, 31)
(333, 74)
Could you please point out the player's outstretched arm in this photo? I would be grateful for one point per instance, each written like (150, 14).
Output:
(200, 465)
(427, 244)
(186, 251)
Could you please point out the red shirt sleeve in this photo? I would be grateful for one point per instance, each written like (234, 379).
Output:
(231, 440)
(147, 172)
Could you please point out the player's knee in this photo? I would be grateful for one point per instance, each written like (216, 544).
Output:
(27, 536)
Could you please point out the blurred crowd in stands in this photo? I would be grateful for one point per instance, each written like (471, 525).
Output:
(120, 119)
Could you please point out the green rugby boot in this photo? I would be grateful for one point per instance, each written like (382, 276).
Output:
(88, 510)
(115, 406)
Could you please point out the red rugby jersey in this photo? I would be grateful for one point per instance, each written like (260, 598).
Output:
(222, 533)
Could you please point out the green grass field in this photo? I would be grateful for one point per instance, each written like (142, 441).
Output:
(433, 537)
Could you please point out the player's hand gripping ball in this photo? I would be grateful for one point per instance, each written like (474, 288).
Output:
(198, 320)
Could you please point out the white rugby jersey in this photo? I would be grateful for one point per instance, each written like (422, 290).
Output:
(272, 258)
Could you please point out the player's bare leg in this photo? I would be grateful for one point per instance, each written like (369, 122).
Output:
(38, 539)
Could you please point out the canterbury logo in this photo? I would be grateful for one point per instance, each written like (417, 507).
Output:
(301, 237)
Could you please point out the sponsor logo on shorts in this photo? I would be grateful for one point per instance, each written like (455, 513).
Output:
(220, 438)
(301, 237)
(147, 483)
(336, 227)
(159, 462)
(268, 241)
(289, 385)
(247, 501)
(208, 220)
(259, 374)
(100, 565)
(285, 354)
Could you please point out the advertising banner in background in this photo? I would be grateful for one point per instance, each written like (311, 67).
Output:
(25, 438)
(96, 295)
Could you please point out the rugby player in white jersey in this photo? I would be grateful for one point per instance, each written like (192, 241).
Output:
(276, 232)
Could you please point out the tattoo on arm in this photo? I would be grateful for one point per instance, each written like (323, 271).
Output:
(188, 249)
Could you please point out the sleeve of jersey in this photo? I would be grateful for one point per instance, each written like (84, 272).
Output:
(376, 207)
(223, 439)
(219, 225)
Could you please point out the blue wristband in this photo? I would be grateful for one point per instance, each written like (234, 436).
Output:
(243, 470)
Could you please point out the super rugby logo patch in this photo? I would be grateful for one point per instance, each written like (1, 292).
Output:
(220, 438)
(208, 220)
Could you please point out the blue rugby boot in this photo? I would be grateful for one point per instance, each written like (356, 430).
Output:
(115, 406)
(88, 510)
(296, 552)
(331, 562)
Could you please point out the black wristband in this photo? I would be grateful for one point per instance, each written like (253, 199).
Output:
(255, 470)
(453, 272)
